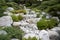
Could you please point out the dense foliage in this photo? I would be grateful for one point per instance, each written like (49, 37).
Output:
(2, 7)
(51, 7)
(12, 32)
(46, 23)
(16, 18)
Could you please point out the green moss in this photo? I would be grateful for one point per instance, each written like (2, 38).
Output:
(20, 17)
(15, 18)
(19, 11)
(46, 23)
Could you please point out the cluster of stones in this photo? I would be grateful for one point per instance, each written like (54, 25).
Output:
(28, 25)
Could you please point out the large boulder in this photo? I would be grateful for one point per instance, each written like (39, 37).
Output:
(53, 35)
(57, 29)
(44, 35)
(5, 21)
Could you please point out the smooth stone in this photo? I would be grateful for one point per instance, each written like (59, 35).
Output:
(53, 35)
(16, 23)
(47, 17)
(44, 35)
(2, 32)
(24, 29)
(10, 9)
(8, 13)
(43, 13)
(14, 39)
(31, 35)
(6, 21)
(55, 29)
(56, 18)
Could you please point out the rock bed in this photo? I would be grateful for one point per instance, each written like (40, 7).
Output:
(29, 26)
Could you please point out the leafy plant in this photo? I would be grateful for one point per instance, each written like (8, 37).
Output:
(14, 32)
(51, 7)
(46, 23)
(14, 5)
(15, 18)
(20, 17)
(19, 11)
(3, 7)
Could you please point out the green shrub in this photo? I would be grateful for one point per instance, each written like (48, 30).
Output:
(20, 17)
(3, 7)
(19, 11)
(14, 32)
(34, 38)
(14, 5)
(15, 18)
(51, 7)
(46, 23)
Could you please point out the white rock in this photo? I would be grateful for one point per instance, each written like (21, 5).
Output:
(44, 35)
(8, 13)
(10, 9)
(16, 23)
(55, 29)
(2, 32)
(24, 29)
(52, 33)
(23, 23)
(43, 13)
(5, 21)
(47, 17)
(14, 39)
(30, 35)
(36, 31)
(33, 26)
(56, 18)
